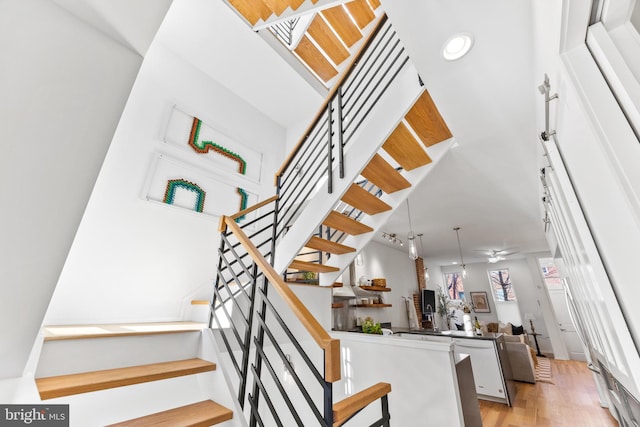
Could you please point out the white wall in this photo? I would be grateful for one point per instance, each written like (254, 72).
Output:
(380, 261)
(134, 260)
(63, 87)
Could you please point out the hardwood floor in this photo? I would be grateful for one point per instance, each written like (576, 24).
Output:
(571, 401)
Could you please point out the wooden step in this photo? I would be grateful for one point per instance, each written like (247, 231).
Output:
(382, 174)
(66, 385)
(374, 4)
(205, 413)
(344, 223)
(405, 149)
(313, 57)
(312, 266)
(252, 10)
(328, 40)
(276, 6)
(328, 246)
(361, 12)
(342, 23)
(360, 198)
(74, 332)
(426, 121)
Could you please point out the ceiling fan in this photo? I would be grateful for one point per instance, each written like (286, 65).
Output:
(498, 255)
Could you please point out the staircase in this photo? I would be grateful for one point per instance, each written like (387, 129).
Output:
(132, 375)
(377, 136)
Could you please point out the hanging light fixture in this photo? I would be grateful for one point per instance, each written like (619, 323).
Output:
(426, 269)
(413, 249)
(464, 270)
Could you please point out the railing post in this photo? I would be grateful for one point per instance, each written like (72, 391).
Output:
(330, 151)
(328, 403)
(384, 400)
(247, 337)
(340, 132)
(258, 361)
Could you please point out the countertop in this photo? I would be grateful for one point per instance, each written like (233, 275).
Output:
(452, 334)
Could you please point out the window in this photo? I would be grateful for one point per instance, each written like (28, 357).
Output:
(550, 273)
(501, 285)
(455, 287)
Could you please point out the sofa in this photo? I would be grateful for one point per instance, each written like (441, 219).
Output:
(522, 357)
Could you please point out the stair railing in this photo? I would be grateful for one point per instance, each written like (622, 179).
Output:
(357, 92)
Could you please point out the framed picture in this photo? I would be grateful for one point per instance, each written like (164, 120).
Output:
(480, 302)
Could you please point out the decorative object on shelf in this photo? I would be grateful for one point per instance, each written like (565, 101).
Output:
(392, 238)
(371, 327)
(413, 249)
(464, 270)
(479, 302)
(379, 282)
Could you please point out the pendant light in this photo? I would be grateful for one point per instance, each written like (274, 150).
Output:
(426, 269)
(464, 270)
(413, 249)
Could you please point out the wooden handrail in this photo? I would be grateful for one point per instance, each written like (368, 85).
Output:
(336, 86)
(348, 406)
(222, 228)
(331, 346)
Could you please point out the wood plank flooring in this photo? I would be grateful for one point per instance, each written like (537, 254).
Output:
(571, 402)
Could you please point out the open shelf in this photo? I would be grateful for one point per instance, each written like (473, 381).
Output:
(375, 288)
(373, 305)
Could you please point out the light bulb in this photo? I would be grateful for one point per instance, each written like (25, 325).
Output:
(413, 249)
(464, 272)
(426, 274)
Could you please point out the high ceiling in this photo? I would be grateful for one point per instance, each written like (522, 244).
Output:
(487, 185)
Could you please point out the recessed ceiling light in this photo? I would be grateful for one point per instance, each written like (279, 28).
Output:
(457, 46)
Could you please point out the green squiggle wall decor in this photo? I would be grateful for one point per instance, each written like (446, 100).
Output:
(174, 184)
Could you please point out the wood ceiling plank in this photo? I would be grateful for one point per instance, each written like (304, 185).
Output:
(382, 174)
(361, 12)
(252, 10)
(339, 19)
(344, 223)
(425, 119)
(315, 60)
(405, 149)
(324, 36)
(203, 413)
(360, 198)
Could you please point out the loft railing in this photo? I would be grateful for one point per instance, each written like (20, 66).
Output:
(311, 163)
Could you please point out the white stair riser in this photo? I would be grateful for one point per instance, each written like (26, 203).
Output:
(91, 354)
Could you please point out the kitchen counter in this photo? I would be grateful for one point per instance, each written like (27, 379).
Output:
(452, 334)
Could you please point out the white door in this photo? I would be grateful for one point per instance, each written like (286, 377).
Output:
(567, 329)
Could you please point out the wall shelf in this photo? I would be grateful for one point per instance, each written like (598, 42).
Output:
(373, 305)
(375, 289)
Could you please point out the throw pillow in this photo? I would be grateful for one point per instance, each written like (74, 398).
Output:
(505, 329)
(517, 330)
(492, 327)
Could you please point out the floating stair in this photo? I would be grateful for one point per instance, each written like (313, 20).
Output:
(328, 246)
(360, 198)
(382, 174)
(66, 385)
(405, 149)
(311, 266)
(74, 332)
(205, 413)
(344, 223)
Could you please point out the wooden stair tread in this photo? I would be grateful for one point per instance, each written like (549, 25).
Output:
(374, 4)
(73, 332)
(328, 246)
(315, 60)
(341, 22)
(203, 413)
(360, 198)
(425, 119)
(405, 149)
(312, 266)
(253, 11)
(361, 12)
(330, 43)
(348, 406)
(66, 385)
(277, 6)
(382, 174)
(344, 223)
